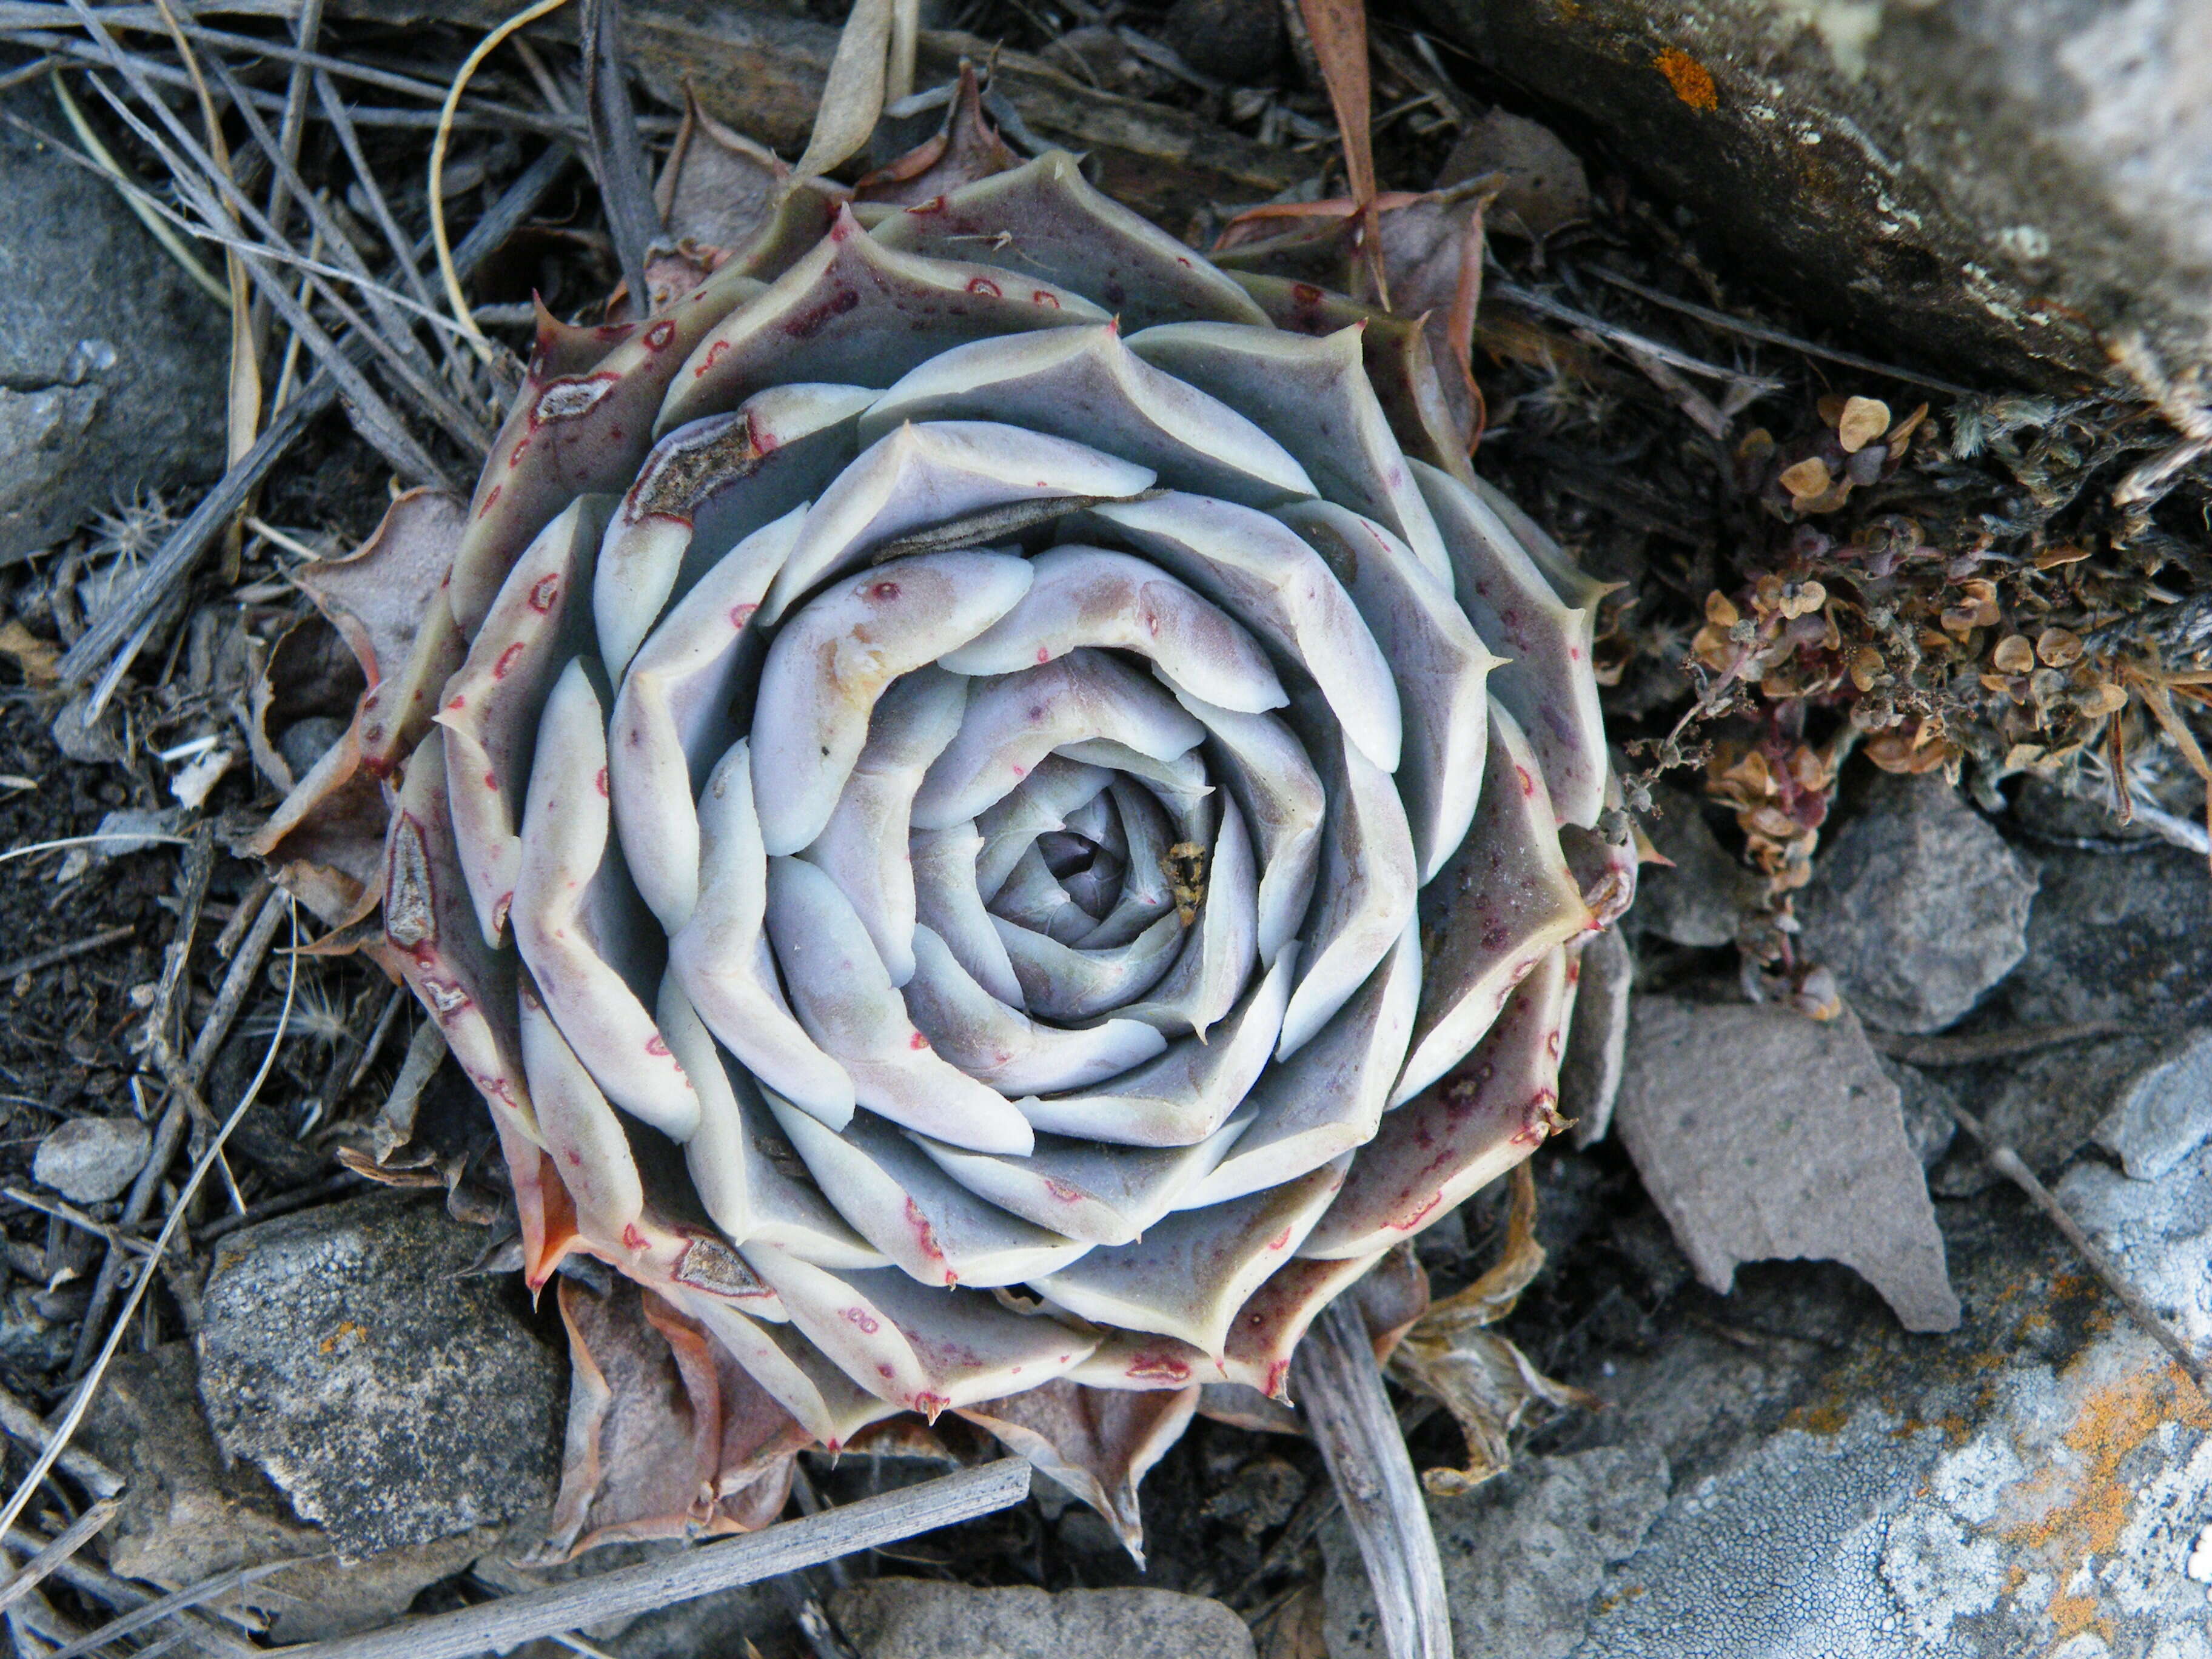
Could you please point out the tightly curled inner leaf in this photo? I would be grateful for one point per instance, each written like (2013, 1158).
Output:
(970, 968)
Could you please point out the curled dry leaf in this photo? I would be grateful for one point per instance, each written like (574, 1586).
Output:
(1451, 1355)
(717, 191)
(667, 1436)
(386, 603)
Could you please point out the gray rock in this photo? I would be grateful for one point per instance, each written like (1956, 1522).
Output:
(1524, 1555)
(1925, 1105)
(391, 1401)
(1762, 1134)
(1698, 901)
(188, 1514)
(112, 364)
(2164, 1112)
(2047, 1105)
(89, 1160)
(2008, 187)
(1597, 1037)
(1917, 905)
(917, 1618)
(2117, 936)
(2036, 1483)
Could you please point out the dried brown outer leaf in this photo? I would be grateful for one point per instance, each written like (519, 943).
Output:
(967, 148)
(718, 189)
(326, 837)
(1761, 1133)
(1098, 1442)
(648, 1386)
(1337, 31)
(1483, 1380)
(377, 596)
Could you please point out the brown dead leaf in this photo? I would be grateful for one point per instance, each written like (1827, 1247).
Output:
(1337, 29)
(717, 188)
(667, 1436)
(852, 96)
(34, 656)
(1486, 1382)
(1098, 1442)
(1761, 1134)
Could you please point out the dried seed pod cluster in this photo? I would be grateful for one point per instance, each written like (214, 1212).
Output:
(984, 830)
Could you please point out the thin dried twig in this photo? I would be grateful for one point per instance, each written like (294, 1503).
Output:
(159, 574)
(372, 417)
(134, 198)
(80, 1532)
(47, 959)
(448, 267)
(1990, 1045)
(179, 1601)
(1614, 334)
(1340, 1388)
(619, 157)
(81, 1466)
(787, 1547)
(2008, 1164)
(1761, 332)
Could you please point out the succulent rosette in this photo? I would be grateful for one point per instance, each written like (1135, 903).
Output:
(985, 829)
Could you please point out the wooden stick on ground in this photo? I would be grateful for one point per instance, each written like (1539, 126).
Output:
(787, 1547)
(2008, 1164)
(1340, 1388)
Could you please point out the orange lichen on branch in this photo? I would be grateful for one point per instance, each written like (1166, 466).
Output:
(1691, 80)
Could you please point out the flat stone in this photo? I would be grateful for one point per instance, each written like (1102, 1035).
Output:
(1917, 905)
(2008, 188)
(1762, 1134)
(1524, 1555)
(89, 1160)
(391, 1401)
(97, 400)
(2164, 1112)
(919, 1619)
(188, 1514)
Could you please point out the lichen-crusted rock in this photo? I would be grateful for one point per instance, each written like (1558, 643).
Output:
(917, 1618)
(1917, 905)
(91, 412)
(2037, 1482)
(2006, 187)
(391, 1401)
